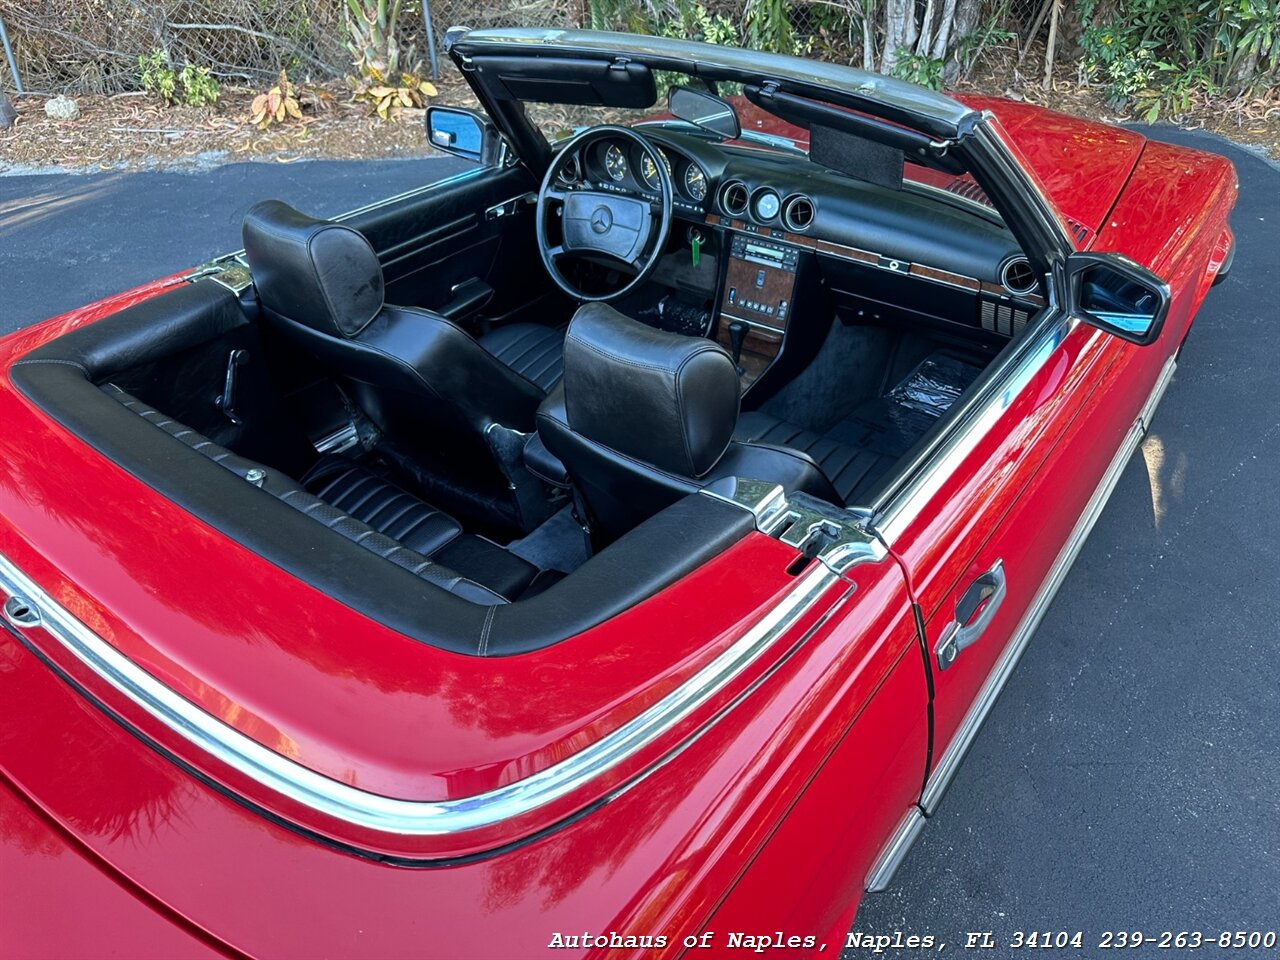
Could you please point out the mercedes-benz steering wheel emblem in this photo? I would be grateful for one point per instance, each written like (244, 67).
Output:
(601, 219)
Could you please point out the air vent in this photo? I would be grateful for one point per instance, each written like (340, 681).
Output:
(797, 212)
(1017, 276)
(1078, 230)
(571, 172)
(1004, 320)
(734, 197)
(965, 187)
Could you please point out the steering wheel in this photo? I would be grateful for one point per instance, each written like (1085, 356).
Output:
(624, 230)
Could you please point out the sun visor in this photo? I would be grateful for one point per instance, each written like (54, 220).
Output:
(856, 156)
(596, 83)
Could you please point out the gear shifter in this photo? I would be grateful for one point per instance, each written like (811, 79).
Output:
(737, 334)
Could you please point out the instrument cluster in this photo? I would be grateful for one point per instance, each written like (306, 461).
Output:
(615, 164)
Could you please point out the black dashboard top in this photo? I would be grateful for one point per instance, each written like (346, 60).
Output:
(786, 195)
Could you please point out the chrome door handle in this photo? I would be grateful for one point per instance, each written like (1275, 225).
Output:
(974, 613)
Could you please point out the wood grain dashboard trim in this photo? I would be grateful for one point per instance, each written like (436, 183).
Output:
(872, 259)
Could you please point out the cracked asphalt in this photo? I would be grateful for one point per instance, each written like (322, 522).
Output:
(1129, 777)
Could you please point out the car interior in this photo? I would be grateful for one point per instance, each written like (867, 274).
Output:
(495, 382)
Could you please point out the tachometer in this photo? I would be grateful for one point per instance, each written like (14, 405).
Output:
(615, 162)
(695, 182)
(649, 169)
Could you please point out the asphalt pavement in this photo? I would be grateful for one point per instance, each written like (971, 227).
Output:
(1129, 777)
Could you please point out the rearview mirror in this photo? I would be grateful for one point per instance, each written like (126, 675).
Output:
(1116, 294)
(705, 111)
(463, 133)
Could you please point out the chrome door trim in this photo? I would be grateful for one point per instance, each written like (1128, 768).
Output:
(371, 811)
(895, 850)
(940, 777)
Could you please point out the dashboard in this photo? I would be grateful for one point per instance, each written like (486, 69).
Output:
(789, 199)
(787, 233)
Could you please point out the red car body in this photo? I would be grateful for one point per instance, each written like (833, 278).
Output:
(766, 810)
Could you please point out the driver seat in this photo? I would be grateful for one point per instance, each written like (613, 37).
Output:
(421, 379)
(644, 417)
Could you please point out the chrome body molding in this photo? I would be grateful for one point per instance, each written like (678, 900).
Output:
(835, 536)
(940, 777)
(408, 817)
(895, 850)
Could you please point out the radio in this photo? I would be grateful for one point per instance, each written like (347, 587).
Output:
(759, 281)
(763, 252)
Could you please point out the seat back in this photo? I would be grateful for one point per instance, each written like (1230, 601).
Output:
(644, 417)
(422, 379)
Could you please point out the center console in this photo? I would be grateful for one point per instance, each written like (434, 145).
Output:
(759, 288)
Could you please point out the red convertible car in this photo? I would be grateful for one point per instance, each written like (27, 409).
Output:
(613, 548)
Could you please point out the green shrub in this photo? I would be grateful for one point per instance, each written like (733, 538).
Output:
(193, 86)
(917, 68)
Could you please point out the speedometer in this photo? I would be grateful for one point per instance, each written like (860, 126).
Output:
(649, 169)
(615, 162)
(695, 182)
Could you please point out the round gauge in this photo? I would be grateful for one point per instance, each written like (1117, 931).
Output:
(695, 182)
(615, 163)
(766, 205)
(570, 172)
(649, 169)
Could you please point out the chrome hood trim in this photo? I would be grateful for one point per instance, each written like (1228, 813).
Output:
(385, 814)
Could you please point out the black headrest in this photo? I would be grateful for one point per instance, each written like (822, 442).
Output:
(314, 272)
(662, 398)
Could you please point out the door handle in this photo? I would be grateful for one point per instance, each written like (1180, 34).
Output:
(974, 612)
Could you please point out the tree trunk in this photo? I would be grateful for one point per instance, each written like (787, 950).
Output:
(942, 40)
(899, 31)
(966, 18)
(868, 35)
(1053, 43)
(926, 30)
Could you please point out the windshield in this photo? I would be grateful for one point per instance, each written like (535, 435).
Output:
(760, 130)
(559, 121)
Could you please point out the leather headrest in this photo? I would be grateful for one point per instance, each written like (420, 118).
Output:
(314, 272)
(663, 398)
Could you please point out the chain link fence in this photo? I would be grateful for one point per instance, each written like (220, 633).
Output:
(93, 46)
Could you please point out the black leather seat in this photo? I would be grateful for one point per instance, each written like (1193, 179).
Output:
(423, 380)
(851, 468)
(374, 500)
(531, 350)
(644, 417)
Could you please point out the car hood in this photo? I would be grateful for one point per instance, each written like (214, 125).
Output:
(1081, 165)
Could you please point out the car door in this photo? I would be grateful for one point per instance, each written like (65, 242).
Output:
(463, 247)
(990, 533)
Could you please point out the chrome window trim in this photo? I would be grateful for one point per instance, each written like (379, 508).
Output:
(366, 810)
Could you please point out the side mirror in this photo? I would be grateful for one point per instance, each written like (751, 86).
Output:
(704, 110)
(463, 133)
(1115, 294)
